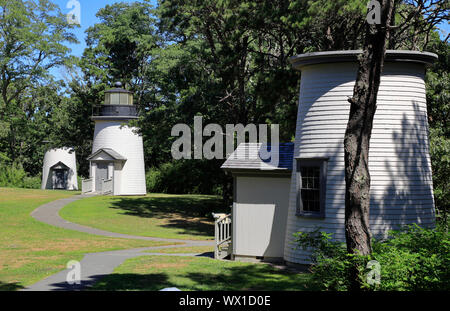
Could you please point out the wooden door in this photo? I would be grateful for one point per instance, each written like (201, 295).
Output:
(100, 173)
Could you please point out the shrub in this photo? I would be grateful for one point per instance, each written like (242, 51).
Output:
(330, 261)
(32, 182)
(12, 175)
(15, 176)
(414, 259)
(440, 160)
(185, 177)
(410, 259)
(153, 180)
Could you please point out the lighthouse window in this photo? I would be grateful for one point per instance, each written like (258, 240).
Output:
(311, 180)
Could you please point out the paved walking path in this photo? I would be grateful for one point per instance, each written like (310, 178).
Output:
(94, 266)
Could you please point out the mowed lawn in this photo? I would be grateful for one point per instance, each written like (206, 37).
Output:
(154, 215)
(200, 273)
(31, 251)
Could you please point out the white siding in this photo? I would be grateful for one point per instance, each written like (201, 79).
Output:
(52, 157)
(259, 216)
(400, 168)
(121, 138)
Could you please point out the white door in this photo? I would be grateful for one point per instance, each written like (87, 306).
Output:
(260, 216)
(101, 172)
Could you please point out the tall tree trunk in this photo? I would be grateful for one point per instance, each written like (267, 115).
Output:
(358, 133)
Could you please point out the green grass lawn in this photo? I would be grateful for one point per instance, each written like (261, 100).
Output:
(155, 215)
(199, 273)
(31, 251)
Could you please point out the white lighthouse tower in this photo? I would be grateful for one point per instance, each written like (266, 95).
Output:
(117, 159)
(401, 188)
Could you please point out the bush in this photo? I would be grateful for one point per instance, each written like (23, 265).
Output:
(440, 160)
(185, 177)
(15, 176)
(414, 259)
(411, 259)
(32, 182)
(330, 261)
(153, 180)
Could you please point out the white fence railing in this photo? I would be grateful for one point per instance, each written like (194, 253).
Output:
(86, 185)
(107, 186)
(222, 234)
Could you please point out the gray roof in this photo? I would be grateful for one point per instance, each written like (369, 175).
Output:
(115, 155)
(351, 56)
(250, 156)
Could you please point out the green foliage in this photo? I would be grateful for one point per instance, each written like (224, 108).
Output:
(12, 175)
(33, 182)
(440, 160)
(331, 262)
(438, 105)
(410, 259)
(153, 180)
(119, 47)
(188, 176)
(414, 259)
(32, 41)
(15, 176)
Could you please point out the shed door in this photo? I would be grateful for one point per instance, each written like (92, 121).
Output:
(100, 173)
(59, 179)
(260, 215)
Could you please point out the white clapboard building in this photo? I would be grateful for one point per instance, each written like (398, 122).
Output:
(309, 193)
(117, 160)
(59, 170)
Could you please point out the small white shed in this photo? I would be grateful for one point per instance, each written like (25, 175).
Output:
(59, 170)
(260, 202)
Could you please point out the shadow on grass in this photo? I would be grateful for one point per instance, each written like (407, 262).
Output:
(10, 286)
(190, 213)
(258, 277)
(110, 282)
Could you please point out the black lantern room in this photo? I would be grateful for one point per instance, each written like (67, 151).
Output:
(118, 103)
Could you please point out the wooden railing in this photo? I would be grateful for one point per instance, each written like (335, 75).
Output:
(223, 227)
(107, 186)
(86, 185)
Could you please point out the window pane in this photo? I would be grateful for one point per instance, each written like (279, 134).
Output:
(310, 188)
(124, 99)
(114, 99)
